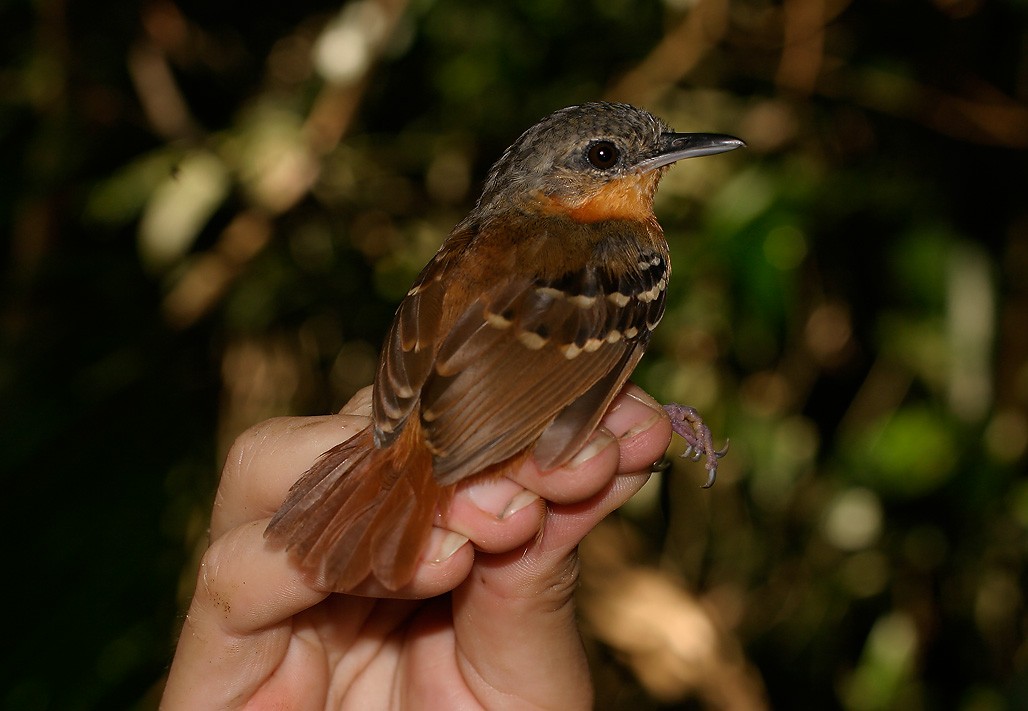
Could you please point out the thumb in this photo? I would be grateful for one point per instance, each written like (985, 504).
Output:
(517, 637)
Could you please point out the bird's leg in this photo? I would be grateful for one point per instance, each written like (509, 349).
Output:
(690, 426)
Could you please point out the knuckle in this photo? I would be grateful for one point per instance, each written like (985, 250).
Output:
(248, 444)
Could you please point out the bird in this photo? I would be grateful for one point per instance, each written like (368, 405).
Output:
(511, 343)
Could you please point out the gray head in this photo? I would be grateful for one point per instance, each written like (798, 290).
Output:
(573, 155)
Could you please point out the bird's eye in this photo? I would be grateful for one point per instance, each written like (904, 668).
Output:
(603, 154)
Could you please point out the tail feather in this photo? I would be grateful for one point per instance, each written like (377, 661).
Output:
(403, 551)
(361, 511)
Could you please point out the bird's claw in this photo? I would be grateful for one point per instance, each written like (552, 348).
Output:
(699, 442)
(691, 453)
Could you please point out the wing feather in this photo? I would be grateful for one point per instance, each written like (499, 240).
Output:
(410, 348)
(535, 358)
(532, 349)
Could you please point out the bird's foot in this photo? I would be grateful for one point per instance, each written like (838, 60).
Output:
(690, 426)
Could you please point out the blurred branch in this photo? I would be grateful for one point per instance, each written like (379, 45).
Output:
(261, 378)
(677, 53)
(982, 115)
(162, 101)
(293, 169)
(803, 45)
(208, 277)
(670, 641)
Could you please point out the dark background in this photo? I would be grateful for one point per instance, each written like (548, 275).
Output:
(208, 214)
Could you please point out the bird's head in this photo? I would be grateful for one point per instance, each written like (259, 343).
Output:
(592, 162)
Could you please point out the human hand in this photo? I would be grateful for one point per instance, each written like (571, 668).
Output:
(258, 635)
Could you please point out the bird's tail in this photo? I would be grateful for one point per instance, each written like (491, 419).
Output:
(361, 511)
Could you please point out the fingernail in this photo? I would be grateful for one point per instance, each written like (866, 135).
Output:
(640, 395)
(642, 426)
(525, 498)
(601, 439)
(450, 544)
(626, 419)
(500, 497)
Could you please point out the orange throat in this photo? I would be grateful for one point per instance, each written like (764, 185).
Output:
(628, 198)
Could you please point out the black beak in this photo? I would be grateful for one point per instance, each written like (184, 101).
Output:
(676, 146)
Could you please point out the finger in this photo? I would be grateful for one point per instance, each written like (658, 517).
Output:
(642, 440)
(502, 513)
(245, 591)
(446, 562)
(496, 513)
(633, 434)
(359, 404)
(268, 458)
(517, 603)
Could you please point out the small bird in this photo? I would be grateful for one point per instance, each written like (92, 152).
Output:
(511, 343)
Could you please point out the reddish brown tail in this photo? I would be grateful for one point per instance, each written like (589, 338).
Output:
(361, 511)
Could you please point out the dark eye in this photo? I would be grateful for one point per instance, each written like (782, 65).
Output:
(603, 154)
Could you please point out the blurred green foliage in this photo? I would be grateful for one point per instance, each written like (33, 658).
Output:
(209, 213)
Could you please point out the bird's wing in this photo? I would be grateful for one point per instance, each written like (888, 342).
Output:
(530, 359)
(410, 348)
